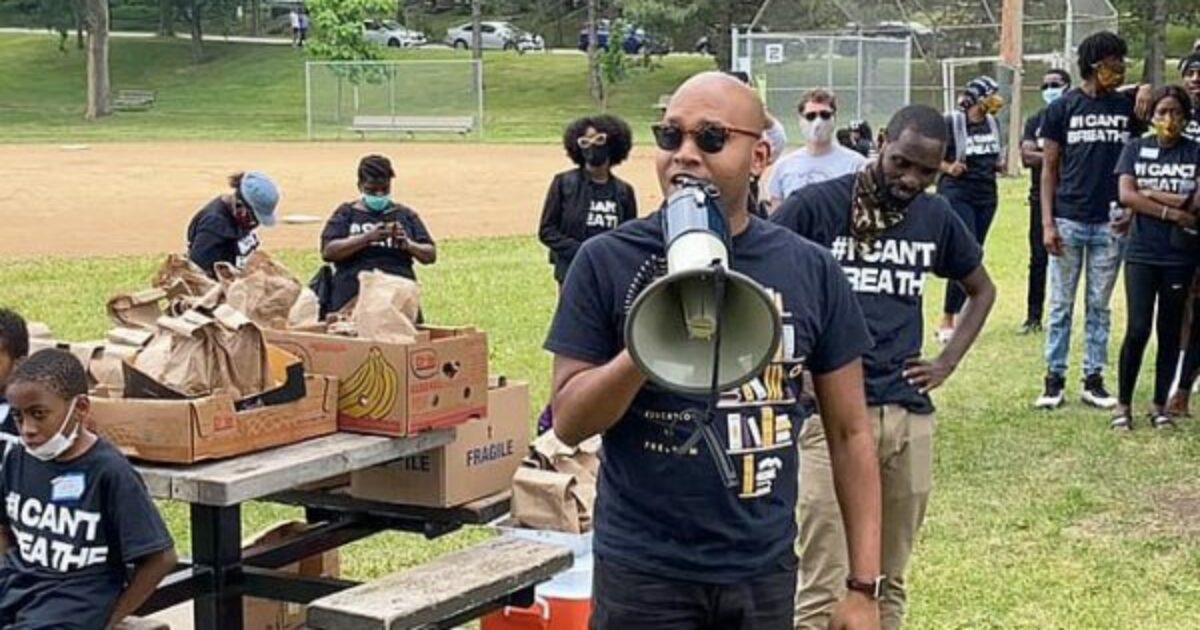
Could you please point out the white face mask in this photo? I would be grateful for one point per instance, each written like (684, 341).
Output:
(54, 447)
(820, 129)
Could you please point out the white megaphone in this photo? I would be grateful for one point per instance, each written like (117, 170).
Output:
(702, 328)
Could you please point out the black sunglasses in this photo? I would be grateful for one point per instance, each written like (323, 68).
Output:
(1051, 84)
(811, 116)
(710, 137)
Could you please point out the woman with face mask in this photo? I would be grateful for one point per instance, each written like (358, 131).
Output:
(1158, 176)
(588, 199)
(373, 232)
(224, 229)
(973, 158)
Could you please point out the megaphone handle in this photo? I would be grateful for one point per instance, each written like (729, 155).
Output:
(705, 429)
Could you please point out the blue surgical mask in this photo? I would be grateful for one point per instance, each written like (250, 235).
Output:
(377, 203)
(1051, 94)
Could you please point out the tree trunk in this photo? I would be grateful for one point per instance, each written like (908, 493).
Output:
(97, 60)
(595, 85)
(476, 33)
(197, 30)
(79, 10)
(1156, 43)
(255, 14)
(723, 38)
(166, 18)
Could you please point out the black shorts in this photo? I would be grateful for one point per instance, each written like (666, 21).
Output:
(627, 599)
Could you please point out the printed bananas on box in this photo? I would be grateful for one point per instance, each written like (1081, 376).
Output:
(371, 391)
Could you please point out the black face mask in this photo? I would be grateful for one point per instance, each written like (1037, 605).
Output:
(595, 156)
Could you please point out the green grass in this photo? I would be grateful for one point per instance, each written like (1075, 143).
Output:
(249, 91)
(1038, 520)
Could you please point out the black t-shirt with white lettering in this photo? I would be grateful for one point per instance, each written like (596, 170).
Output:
(1033, 133)
(214, 236)
(1192, 130)
(1091, 133)
(603, 214)
(890, 279)
(981, 156)
(1165, 169)
(350, 220)
(74, 527)
(8, 427)
(670, 515)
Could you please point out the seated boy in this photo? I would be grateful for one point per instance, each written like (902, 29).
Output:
(76, 514)
(14, 345)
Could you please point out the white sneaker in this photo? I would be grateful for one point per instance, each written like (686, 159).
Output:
(1094, 393)
(1052, 393)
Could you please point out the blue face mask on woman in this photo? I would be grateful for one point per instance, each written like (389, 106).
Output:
(377, 203)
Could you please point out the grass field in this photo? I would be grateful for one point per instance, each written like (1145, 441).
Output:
(250, 91)
(1039, 520)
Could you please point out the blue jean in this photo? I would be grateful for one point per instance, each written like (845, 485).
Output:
(1094, 248)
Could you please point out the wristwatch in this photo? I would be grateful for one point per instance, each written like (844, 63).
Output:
(871, 587)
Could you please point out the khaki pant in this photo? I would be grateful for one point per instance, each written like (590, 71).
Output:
(904, 443)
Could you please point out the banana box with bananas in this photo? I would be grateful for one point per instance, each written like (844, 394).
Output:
(396, 389)
(479, 462)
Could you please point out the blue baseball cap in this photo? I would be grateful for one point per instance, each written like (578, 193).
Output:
(262, 196)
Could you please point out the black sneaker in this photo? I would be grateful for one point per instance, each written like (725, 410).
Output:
(1052, 393)
(1031, 326)
(1094, 393)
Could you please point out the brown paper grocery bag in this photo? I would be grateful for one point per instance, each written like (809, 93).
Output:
(181, 355)
(543, 499)
(305, 311)
(386, 308)
(263, 289)
(178, 269)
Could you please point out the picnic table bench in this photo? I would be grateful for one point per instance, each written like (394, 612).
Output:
(218, 575)
(134, 99)
(411, 125)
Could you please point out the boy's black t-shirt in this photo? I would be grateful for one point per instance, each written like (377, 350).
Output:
(75, 526)
(1033, 133)
(1091, 133)
(350, 220)
(982, 154)
(1170, 170)
(890, 279)
(670, 515)
(214, 236)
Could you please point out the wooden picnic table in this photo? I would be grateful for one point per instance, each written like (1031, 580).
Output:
(218, 575)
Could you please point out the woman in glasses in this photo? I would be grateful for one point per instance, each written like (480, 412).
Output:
(589, 199)
(224, 230)
(968, 180)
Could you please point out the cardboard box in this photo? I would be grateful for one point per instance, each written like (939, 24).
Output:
(439, 380)
(199, 429)
(480, 462)
(263, 614)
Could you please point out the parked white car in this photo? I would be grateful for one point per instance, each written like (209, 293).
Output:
(495, 36)
(392, 34)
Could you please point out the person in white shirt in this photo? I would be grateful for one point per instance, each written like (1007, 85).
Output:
(294, 19)
(821, 158)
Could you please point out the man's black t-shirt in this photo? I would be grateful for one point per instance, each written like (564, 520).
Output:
(1192, 130)
(75, 525)
(889, 280)
(1033, 133)
(214, 236)
(982, 153)
(670, 515)
(350, 220)
(1170, 170)
(1091, 133)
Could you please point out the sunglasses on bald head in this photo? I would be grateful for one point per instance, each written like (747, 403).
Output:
(710, 137)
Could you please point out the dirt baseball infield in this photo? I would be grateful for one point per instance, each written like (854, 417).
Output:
(137, 198)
